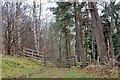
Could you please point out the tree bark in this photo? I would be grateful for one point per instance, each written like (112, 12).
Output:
(39, 29)
(17, 25)
(111, 33)
(65, 30)
(1, 38)
(93, 50)
(34, 26)
(97, 27)
(79, 42)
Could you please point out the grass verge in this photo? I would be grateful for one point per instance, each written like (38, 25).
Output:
(18, 66)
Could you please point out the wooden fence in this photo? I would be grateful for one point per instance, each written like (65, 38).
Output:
(40, 56)
(34, 54)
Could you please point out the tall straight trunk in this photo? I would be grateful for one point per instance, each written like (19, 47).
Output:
(8, 36)
(111, 33)
(69, 44)
(60, 49)
(111, 46)
(1, 38)
(77, 37)
(67, 49)
(94, 53)
(111, 43)
(79, 42)
(59, 45)
(65, 30)
(39, 29)
(34, 26)
(108, 48)
(93, 50)
(97, 27)
(52, 40)
(9, 40)
(17, 25)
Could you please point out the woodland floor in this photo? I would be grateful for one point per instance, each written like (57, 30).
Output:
(21, 67)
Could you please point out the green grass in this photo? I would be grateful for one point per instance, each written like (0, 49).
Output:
(52, 74)
(76, 73)
(17, 66)
(62, 73)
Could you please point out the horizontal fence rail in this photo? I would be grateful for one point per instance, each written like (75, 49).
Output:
(41, 57)
(34, 54)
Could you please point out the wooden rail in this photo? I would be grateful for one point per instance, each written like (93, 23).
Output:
(40, 56)
(34, 54)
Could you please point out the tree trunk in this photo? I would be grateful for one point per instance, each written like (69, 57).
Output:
(79, 42)
(1, 38)
(111, 33)
(96, 24)
(93, 50)
(34, 26)
(60, 49)
(39, 29)
(77, 37)
(17, 25)
(8, 38)
(65, 30)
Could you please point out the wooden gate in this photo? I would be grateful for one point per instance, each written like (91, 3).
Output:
(34, 54)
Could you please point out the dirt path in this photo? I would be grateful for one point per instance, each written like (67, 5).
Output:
(61, 74)
(36, 73)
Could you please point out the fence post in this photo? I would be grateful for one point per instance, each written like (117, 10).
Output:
(44, 58)
(23, 51)
(74, 61)
(32, 55)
